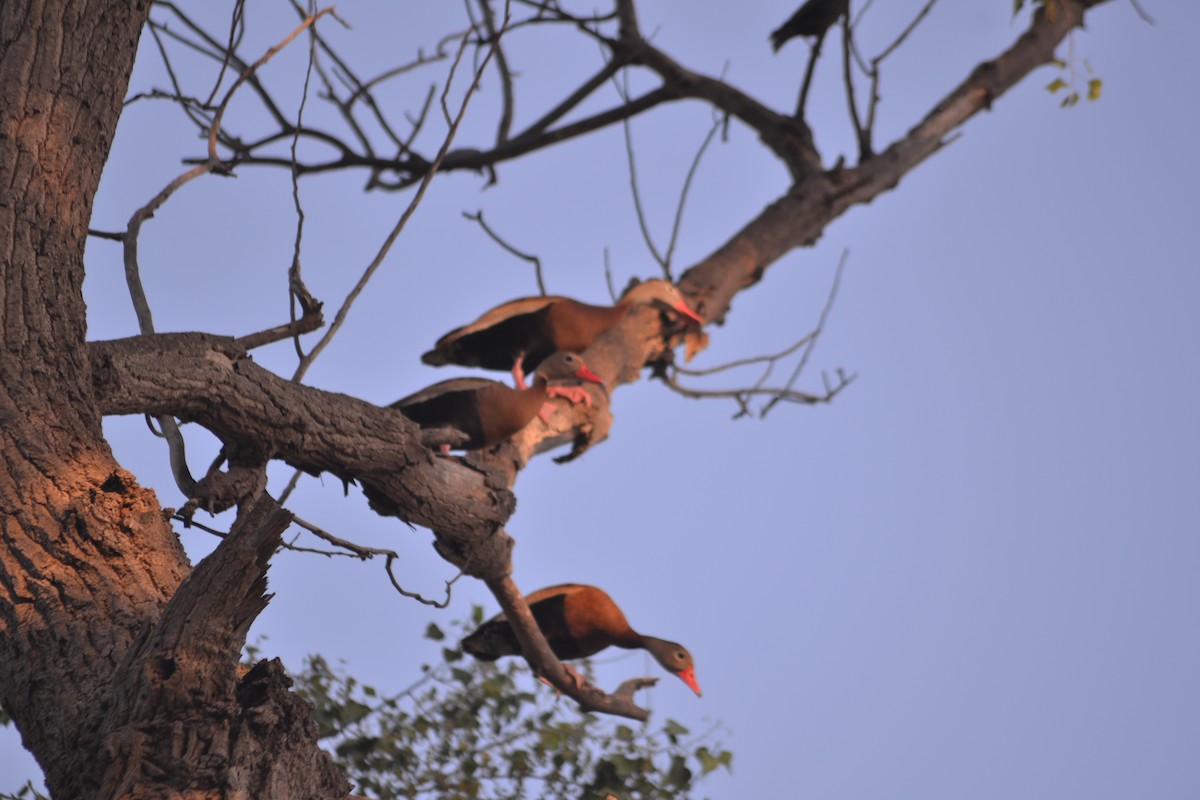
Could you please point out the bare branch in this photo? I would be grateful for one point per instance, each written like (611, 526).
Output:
(718, 123)
(114, 236)
(386, 247)
(311, 320)
(141, 308)
(414, 595)
(495, 237)
(643, 225)
(744, 396)
(809, 70)
(506, 84)
(298, 293)
(745, 362)
(574, 99)
(1141, 12)
(874, 73)
(861, 133)
(211, 48)
(816, 334)
(237, 30)
(216, 123)
(786, 393)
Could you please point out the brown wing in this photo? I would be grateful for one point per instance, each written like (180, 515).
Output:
(567, 615)
(513, 308)
(444, 387)
(494, 340)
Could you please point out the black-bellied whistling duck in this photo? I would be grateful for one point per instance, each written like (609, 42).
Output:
(813, 18)
(489, 412)
(578, 621)
(519, 334)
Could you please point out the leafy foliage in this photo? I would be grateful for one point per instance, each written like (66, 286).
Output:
(467, 729)
(26, 792)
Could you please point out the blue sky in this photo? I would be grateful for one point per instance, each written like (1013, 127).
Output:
(975, 574)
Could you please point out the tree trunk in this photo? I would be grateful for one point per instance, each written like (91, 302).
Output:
(95, 674)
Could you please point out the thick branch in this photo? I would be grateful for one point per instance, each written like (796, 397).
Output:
(798, 218)
(186, 662)
(208, 380)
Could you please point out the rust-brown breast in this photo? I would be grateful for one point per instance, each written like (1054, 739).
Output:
(487, 411)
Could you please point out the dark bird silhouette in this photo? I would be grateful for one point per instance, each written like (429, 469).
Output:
(489, 412)
(813, 18)
(519, 334)
(579, 621)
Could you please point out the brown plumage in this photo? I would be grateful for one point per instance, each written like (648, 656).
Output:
(579, 621)
(813, 18)
(519, 334)
(489, 412)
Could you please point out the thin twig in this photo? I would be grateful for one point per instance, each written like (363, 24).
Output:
(190, 522)
(687, 185)
(218, 52)
(176, 451)
(297, 292)
(504, 127)
(745, 362)
(1141, 12)
(608, 277)
(743, 396)
(812, 342)
(623, 91)
(115, 236)
(291, 486)
(192, 110)
(385, 248)
(237, 29)
(495, 237)
(216, 123)
(874, 71)
(809, 70)
(860, 132)
(415, 595)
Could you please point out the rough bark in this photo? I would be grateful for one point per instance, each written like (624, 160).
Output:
(87, 561)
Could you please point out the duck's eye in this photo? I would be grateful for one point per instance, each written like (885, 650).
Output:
(569, 359)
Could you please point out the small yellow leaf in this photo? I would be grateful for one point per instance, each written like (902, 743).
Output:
(1094, 88)
(1055, 85)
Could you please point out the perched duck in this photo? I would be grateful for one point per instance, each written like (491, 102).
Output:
(519, 334)
(813, 18)
(489, 412)
(578, 621)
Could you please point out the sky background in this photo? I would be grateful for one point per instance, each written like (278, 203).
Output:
(973, 575)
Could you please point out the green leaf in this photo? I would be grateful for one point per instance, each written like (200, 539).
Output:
(710, 761)
(434, 632)
(673, 728)
(480, 730)
(679, 775)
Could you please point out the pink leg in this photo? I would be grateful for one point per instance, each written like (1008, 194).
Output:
(546, 412)
(518, 373)
(576, 394)
(580, 681)
(444, 449)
